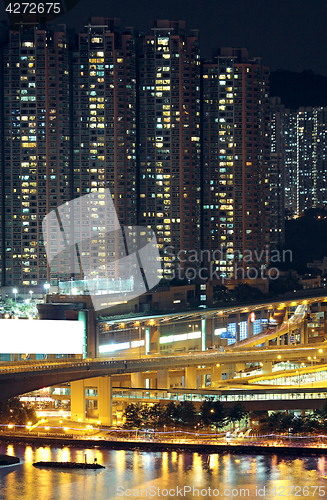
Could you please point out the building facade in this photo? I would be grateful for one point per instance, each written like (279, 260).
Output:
(305, 159)
(35, 147)
(169, 132)
(236, 159)
(277, 174)
(182, 146)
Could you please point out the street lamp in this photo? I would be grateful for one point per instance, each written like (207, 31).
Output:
(15, 293)
(31, 294)
(46, 287)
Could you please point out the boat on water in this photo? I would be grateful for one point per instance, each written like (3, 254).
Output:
(69, 465)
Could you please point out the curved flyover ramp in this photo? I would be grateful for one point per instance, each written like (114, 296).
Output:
(287, 326)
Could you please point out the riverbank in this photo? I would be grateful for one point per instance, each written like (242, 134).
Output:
(8, 460)
(155, 446)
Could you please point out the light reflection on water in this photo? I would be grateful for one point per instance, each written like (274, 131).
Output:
(169, 470)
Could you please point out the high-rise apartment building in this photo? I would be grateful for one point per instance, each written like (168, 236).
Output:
(183, 148)
(236, 158)
(35, 147)
(305, 159)
(277, 174)
(69, 129)
(104, 134)
(169, 137)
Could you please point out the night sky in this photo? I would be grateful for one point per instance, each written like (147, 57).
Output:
(287, 34)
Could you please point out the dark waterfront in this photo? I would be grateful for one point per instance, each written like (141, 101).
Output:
(157, 474)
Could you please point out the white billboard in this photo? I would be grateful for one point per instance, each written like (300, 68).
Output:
(27, 336)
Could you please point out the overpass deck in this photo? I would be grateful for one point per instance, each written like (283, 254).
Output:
(253, 400)
(149, 362)
(16, 379)
(294, 322)
(302, 297)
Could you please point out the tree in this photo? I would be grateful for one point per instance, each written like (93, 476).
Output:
(237, 413)
(322, 412)
(312, 424)
(205, 412)
(212, 413)
(246, 293)
(298, 424)
(278, 422)
(13, 411)
(285, 423)
(133, 416)
(221, 293)
(272, 422)
(218, 414)
(155, 416)
(186, 414)
(170, 415)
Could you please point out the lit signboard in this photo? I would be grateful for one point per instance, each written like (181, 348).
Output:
(178, 338)
(252, 317)
(18, 336)
(114, 347)
(219, 331)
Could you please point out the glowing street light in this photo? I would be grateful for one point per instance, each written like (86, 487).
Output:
(46, 288)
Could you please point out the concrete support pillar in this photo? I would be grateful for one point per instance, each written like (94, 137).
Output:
(305, 330)
(325, 322)
(261, 318)
(190, 378)
(239, 367)
(163, 379)
(105, 400)
(278, 340)
(215, 375)
(209, 332)
(304, 333)
(238, 319)
(203, 334)
(199, 381)
(250, 327)
(229, 369)
(267, 367)
(137, 380)
(77, 397)
(287, 312)
(154, 339)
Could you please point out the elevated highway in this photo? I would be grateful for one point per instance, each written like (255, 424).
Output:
(22, 377)
(294, 322)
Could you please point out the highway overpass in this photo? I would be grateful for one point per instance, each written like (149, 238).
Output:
(22, 377)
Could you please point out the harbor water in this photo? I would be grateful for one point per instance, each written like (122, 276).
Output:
(172, 475)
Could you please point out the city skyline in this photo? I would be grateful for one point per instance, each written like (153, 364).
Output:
(186, 146)
(137, 153)
(287, 35)
(109, 109)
